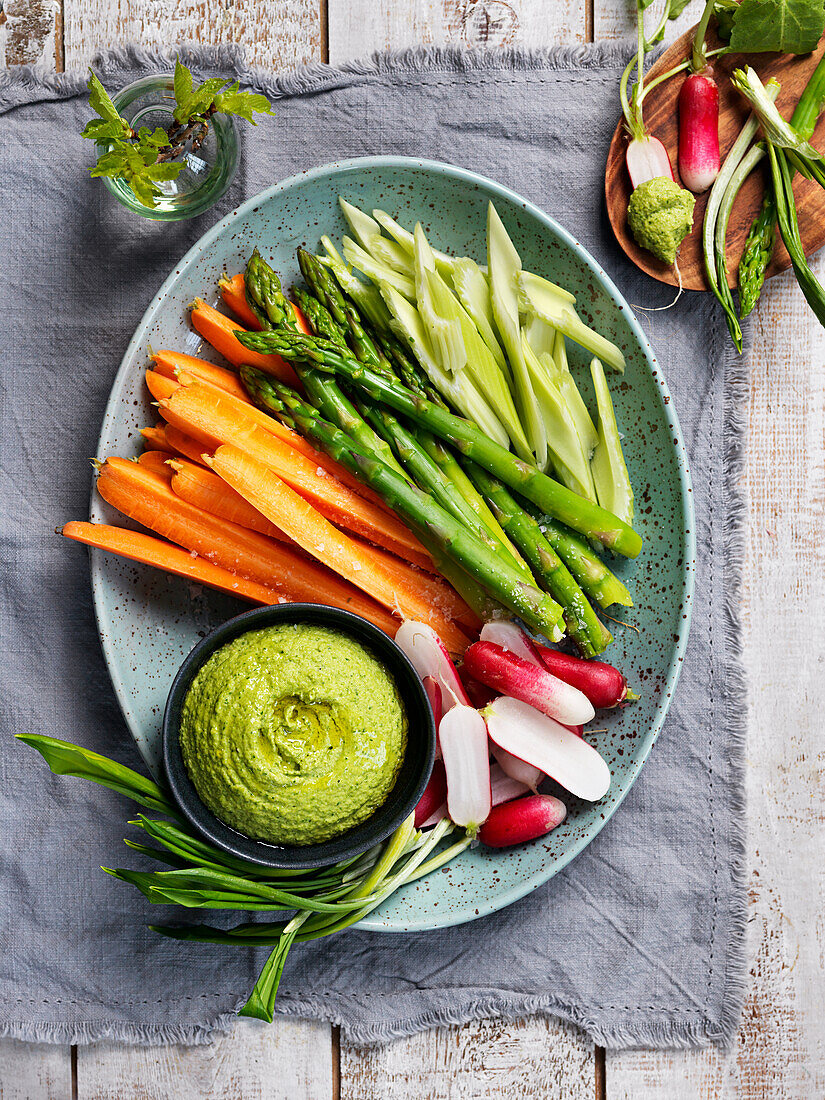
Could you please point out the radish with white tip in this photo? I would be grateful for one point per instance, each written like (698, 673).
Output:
(463, 736)
(429, 657)
(512, 638)
(517, 769)
(533, 684)
(522, 820)
(435, 794)
(603, 684)
(546, 744)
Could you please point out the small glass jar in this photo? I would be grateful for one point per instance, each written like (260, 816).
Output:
(209, 170)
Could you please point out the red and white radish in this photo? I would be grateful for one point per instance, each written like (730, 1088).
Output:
(429, 657)
(503, 787)
(434, 818)
(434, 694)
(699, 159)
(532, 736)
(647, 159)
(463, 736)
(522, 820)
(533, 684)
(435, 793)
(517, 769)
(603, 684)
(479, 694)
(512, 638)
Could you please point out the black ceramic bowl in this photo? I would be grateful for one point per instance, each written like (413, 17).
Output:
(415, 769)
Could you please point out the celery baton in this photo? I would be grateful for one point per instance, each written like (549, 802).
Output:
(580, 514)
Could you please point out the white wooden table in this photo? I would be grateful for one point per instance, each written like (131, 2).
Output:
(780, 1052)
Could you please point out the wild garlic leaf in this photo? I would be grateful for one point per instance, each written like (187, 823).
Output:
(785, 26)
(243, 104)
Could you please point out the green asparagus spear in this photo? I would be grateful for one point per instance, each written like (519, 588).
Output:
(580, 514)
(319, 318)
(502, 580)
(265, 296)
(583, 624)
(601, 586)
(757, 255)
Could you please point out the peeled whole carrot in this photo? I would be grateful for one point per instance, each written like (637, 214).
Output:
(188, 446)
(206, 414)
(296, 441)
(271, 496)
(172, 363)
(219, 331)
(159, 386)
(199, 486)
(155, 438)
(148, 499)
(172, 559)
(233, 292)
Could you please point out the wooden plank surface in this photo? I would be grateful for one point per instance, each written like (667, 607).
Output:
(30, 33)
(291, 1060)
(34, 1071)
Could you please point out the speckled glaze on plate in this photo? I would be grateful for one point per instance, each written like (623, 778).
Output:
(149, 621)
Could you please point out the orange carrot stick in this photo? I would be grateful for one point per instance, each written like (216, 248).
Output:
(148, 550)
(159, 386)
(148, 499)
(206, 414)
(219, 330)
(296, 441)
(188, 446)
(172, 363)
(233, 292)
(199, 486)
(155, 438)
(271, 496)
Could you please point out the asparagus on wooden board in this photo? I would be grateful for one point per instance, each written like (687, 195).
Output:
(583, 624)
(264, 294)
(556, 500)
(505, 583)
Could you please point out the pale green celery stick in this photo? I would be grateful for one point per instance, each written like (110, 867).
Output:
(473, 291)
(541, 336)
(479, 363)
(366, 296)
(379, 272)
(568, 456)
(444, 331)
(406, 323)
(559, 290)
(541, 298)
(574, 400)
(402, 236)
(367, 233)
(610, 475)
(504, 265)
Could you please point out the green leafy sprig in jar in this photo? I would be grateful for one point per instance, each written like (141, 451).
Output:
(168, 148)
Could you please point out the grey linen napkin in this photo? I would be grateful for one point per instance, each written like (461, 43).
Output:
(641, 939)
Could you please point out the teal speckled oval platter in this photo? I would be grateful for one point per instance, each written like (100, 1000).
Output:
(149, 621)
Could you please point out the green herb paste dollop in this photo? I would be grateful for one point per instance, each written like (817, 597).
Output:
(660, 216)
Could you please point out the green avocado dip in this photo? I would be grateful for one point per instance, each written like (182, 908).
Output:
(660, 216)
(293, 734)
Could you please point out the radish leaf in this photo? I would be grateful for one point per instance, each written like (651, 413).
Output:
(786, 26)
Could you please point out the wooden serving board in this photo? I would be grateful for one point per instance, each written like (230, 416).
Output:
(661, 117)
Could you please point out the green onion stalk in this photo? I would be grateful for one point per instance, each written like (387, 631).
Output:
(324, 900)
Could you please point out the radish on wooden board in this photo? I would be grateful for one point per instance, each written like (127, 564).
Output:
(517, 769)
(429, 657)
(533, 684)
(434, 794)
(603, 684)
(511, 637)
(699, 159)
(647, 159)
(522, 820)
(532, 736)
(503, 787)
(463, 736)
